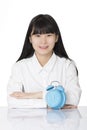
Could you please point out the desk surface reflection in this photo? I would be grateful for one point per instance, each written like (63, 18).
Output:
(43, 119)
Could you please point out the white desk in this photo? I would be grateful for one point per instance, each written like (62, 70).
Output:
(43, 119)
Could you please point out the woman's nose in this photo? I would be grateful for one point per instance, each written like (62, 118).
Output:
(44, 39)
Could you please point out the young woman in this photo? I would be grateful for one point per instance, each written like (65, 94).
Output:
(43, 60)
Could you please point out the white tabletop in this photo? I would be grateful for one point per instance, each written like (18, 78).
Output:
(43, 119)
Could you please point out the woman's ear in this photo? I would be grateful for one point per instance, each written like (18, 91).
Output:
(57, 38)
(30, 39)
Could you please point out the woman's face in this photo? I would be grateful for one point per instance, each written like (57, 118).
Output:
(43, 44)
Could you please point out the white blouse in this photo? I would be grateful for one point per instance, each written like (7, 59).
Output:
(29, 75)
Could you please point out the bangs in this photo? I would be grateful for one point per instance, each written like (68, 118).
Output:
(43, 27)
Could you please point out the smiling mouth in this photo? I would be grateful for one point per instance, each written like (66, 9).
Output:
(43, 47)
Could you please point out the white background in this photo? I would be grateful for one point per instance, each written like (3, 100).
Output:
(15, 15)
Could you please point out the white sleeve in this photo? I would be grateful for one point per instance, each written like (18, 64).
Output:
(73, 91)
(15, 84)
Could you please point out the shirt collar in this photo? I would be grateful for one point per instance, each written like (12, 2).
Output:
(47, 67)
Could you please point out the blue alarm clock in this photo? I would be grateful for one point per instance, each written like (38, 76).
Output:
(55, 96)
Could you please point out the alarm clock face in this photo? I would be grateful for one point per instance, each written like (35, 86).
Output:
(53, 98)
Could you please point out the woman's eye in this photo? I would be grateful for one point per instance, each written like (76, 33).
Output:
(49, 35)
(37, 35)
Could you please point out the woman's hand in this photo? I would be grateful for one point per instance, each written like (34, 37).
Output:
(31, 95)
(68, 106)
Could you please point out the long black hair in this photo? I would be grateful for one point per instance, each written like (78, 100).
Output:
(42, 24)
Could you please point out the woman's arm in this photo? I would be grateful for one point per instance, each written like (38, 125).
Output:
(31, 95)
(72, 87)
(26, 100)
(16, 98)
